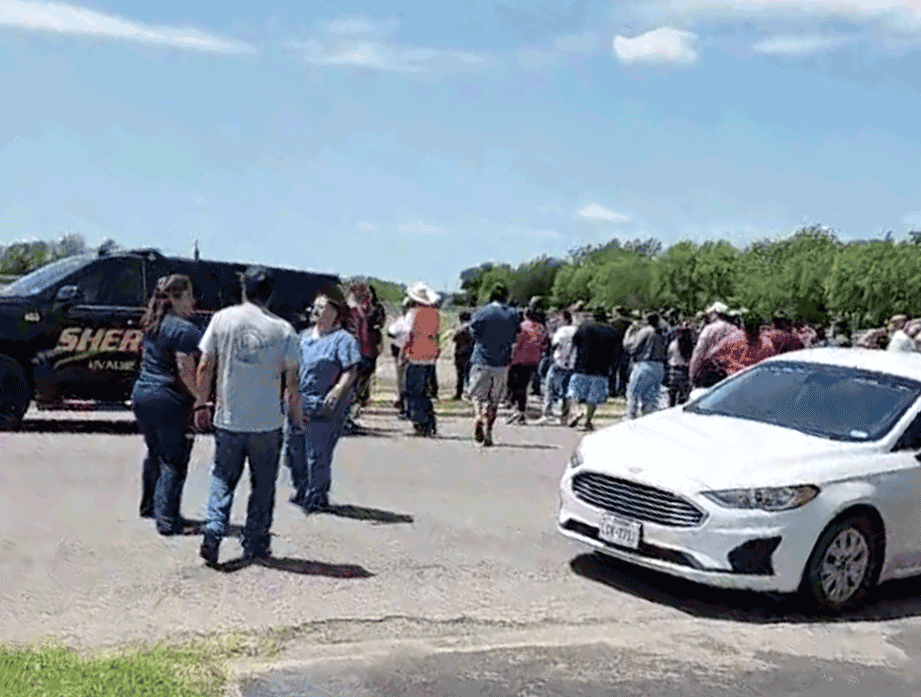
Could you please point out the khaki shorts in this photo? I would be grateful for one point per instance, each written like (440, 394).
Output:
(487, 384)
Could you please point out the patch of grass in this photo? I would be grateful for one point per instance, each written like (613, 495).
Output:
(198, 668)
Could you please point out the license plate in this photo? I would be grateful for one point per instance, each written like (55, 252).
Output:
(620, 532)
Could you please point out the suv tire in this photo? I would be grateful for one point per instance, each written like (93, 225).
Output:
(15, 394)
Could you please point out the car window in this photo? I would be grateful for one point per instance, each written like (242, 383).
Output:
(118, 282)
(832, 402)
(46, 276)
(911, 438)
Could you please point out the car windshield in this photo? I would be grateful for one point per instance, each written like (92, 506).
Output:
(48, 275)
(834, 402)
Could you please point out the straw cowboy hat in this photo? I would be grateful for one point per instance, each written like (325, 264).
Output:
(422, 294)
(718, 307)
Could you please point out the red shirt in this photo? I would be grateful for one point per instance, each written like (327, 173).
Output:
(734, 353)
(783, 341)
(530, 344)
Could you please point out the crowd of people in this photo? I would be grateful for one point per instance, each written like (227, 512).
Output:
(272, 392)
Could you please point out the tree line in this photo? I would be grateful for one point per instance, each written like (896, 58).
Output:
(811, 275)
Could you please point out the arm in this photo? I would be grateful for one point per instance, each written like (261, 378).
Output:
(204, 383)
(698, 355)
(292, 396)
(338, 392)
(186, 364)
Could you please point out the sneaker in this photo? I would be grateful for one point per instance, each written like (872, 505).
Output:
(574, 421)
(208, 551)
(478, 432)
(588, 426)
(487, 439)
(544, 420)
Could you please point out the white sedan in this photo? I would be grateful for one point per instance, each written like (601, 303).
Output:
(800, 473)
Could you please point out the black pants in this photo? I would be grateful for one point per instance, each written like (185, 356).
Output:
(519, 377)
(463, 371)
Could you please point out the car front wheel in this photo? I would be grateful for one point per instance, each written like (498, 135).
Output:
(844, 566)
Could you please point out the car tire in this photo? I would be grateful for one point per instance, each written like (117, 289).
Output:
(15, 393)
(844, 566)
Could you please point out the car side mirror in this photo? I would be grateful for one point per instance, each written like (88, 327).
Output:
(68, 294)
(918, 456)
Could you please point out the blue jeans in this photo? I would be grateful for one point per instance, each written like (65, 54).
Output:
(555, 385)
(644, 387)
(163, 421)
(231, 449)
(418, 395)
(309, 456)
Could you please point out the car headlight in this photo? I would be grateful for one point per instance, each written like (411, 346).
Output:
(783, 498)
(575, 459)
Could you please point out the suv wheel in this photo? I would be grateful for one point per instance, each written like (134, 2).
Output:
(15, 394)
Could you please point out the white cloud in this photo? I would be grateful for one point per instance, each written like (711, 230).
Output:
(802, 45)
(362, 25)
(663, 45)
(365, 225)
(596, 212)
(200, 200)
(67, 19)
(899, 14)
(420, 228)
(912, 219)
(379, 55)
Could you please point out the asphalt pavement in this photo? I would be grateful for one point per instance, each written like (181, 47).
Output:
(439, 572)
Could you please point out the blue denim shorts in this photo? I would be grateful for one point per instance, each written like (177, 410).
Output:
(591, 389)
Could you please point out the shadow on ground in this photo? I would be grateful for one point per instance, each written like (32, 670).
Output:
(303, 567)
(122, 427)
(892, 600)
(374, 515)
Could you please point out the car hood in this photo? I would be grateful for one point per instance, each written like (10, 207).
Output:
(674, 449)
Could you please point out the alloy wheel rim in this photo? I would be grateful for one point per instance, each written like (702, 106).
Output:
(844, 565)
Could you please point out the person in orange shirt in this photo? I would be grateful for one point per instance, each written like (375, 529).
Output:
(420, 354)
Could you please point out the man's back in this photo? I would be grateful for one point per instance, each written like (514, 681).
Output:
(494, 329)
(253, 348)
(596, 348)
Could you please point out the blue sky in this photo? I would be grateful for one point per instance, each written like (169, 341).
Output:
(411, 140)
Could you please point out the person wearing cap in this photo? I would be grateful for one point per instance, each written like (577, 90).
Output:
(330, 360)
(494, 328)
(715, 331)
(420, 354)
(742, 348)
(253, 355)
(398, 331)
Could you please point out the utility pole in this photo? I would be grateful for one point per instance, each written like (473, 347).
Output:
(196, 249)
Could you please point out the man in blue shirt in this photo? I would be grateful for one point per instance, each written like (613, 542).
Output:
(494, 328)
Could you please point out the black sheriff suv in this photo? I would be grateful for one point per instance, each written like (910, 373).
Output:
(69, 331)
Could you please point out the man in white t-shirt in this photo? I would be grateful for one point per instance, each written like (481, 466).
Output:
(563, 361)
(254, 354)
(398, 331)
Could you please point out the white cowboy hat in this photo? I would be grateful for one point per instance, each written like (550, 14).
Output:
(718, 307)
(422, 294)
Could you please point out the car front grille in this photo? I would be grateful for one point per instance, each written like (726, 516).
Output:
(634, 500)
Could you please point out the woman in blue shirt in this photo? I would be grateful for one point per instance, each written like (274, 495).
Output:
(162, 398)
(329, 360)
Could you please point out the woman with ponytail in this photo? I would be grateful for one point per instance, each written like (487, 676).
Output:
(163, 396)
